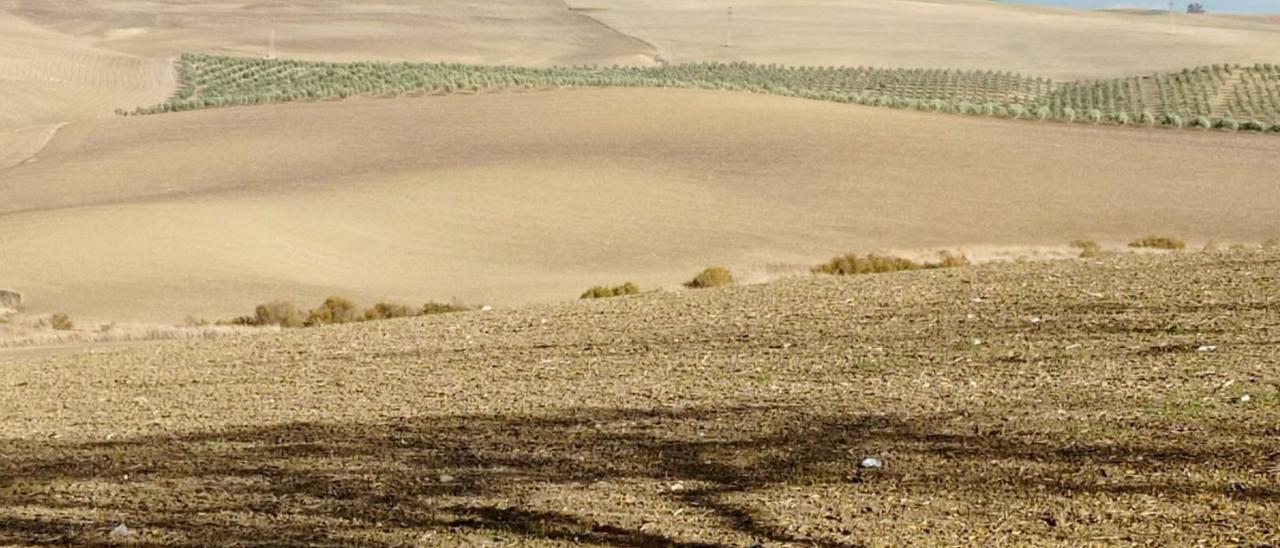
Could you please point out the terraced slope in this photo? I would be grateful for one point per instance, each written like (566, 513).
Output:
(1126, 400)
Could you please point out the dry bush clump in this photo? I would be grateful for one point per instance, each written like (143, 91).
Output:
(851, 263)
(283, 314)
(61, 322)
(604, 292)
(443, 308)
(1273, 243)
(388, 311)
(948, 259)
(334, 310)
(1088, 248)
(716, 276)
(1159, 242)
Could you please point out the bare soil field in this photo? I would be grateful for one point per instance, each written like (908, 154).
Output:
(957, 34)
(1128, 400)
(523, 32)
(511, 198)
(48, 79)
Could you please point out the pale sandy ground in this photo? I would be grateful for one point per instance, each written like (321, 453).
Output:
(515, 197)
(48, 79)
(962, 34)
(523, 32)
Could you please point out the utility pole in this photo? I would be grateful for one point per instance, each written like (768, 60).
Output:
(1171, 4)
(728, 39)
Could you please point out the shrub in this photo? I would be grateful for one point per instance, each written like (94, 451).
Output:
(61, 322)
(1273, 243)
(333, 310)
(1159, 242)
(278, 313)
(1252, 125)
(1088, 248)
(603, 292)
(442, 308)
(715, 276)
(387, 311)
(1147, 119)
(947, 259)
(871, 264)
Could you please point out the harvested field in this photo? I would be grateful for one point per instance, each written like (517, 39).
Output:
(1125, 400)
(512, 198)
(957, 34)
(525, 32)
(48, 79)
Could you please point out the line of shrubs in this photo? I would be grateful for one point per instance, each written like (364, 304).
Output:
(336, 310)
(852, 263)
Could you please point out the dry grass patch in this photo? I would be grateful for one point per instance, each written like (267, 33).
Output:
(1158, 242)
(716, 276)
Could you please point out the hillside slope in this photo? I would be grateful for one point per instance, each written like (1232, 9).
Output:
(955, 34)
(49, 79)
(1129, 399)
(516, 197)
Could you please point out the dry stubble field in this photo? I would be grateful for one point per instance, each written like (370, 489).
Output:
(1125, 400)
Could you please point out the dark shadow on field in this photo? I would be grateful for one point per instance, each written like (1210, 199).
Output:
(310, 484)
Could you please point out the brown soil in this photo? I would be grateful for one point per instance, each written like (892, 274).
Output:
(1069, 402)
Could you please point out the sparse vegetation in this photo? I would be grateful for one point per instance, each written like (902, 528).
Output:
(210, 81)
(278, 313)
(852, 263)
(334, 310)
(1158, 242)
(948, 259)
(61, 322)
(1088, 248)
(389, 311)
(715, 276)
(603, 292)
(443, 308)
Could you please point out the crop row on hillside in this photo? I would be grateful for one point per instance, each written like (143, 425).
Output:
(1219, 96)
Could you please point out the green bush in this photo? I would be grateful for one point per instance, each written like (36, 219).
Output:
(279, 313)
(334, 310)
(1158, 242)
(61, 322)
(604, 292)
(715, 276)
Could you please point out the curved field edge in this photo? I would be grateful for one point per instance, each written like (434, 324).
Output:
(1230, 97)
(1061, 403)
